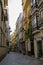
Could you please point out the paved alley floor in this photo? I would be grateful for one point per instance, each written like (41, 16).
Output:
(14, 58)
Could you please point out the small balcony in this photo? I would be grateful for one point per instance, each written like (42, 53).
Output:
(40, 2)
(40, 23)
(21, 40)
(34, 7)
(35, 30)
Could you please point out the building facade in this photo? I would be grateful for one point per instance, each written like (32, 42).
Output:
(14, 40)
(18, 27)
(5, 7)
(25, 23)
(2, 26)
(37, 26)
(3, 45)
(16, 36)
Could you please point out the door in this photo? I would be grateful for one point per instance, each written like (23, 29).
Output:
(32, 48)
(23, 48)
(39, 48)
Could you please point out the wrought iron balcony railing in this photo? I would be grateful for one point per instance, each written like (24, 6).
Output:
(34, 7)
(39, 26)
(40, 22)
(35, 29)
(36, 4)
(40, 2)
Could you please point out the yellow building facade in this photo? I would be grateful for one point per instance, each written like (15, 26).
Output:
(25, 21)
(13, 39)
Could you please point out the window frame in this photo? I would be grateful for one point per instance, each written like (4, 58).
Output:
(34, 22)
(32, 2)
(41, 15)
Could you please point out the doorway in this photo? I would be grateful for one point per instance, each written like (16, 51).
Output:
(32, 48)
(39, 43)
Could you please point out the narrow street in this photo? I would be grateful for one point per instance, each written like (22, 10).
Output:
(14, 58)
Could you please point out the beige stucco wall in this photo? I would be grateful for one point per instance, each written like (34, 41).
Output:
(36, 38)
(3, 51)
(35, 49)
(28, 46)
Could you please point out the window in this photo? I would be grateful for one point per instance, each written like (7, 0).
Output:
(34, 21)
(5, 3)
(20, 35)
(32, 2)
(41, 14)
(19, 25)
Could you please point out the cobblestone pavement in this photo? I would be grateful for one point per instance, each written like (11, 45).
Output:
(14, 58)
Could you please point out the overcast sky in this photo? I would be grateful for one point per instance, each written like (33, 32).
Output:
(15, 8)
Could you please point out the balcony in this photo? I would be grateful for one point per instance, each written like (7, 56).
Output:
(40, 23)
(40, 2)
(21, 40)
(34, 7)
(35, 30)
